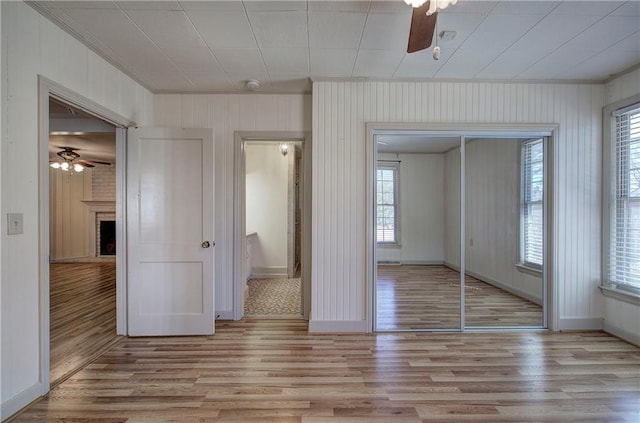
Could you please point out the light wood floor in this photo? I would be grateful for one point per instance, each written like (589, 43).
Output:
(274, 371)
(83, 314)
(428, 297)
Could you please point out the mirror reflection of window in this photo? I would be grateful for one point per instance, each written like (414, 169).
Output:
(531, 205)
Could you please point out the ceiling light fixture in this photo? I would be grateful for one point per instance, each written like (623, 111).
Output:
(253, 84)
(284, 148)
(66, 163)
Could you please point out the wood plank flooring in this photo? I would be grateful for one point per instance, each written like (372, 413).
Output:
(274, 371)
(83, 314)
(428, 297)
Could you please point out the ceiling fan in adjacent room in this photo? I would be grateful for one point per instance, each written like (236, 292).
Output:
(423, 23)
(70, 160)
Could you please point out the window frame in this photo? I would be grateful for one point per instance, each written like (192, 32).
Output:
(521, 262)
(610, 288)
(393, 165)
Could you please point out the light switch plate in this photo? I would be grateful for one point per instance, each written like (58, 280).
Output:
(14, 224)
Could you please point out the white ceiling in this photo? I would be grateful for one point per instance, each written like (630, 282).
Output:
(415, 143)
(216, 46)
(90, 137)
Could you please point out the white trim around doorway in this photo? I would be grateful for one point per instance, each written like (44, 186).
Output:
(469, 131)
(50, 89)
(239, 208)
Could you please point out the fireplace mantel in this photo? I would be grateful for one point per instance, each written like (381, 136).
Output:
(96, 207)
(101, 206)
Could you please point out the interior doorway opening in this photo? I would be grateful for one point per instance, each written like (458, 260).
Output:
(82, 238)
(273, 213)
(272, 226)
(72, 102)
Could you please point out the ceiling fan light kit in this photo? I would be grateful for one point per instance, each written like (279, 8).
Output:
(70, 161)
(423, 23)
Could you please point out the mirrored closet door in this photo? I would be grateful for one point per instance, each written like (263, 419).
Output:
(504, 232)
(459, 203)
(418, 233)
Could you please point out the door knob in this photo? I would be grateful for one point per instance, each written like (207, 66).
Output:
(206, 244)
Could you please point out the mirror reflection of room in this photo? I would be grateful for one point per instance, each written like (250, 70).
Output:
(416, 191)
(504, 232)
(418, 232)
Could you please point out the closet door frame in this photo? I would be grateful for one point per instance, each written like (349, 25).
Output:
(549, 131)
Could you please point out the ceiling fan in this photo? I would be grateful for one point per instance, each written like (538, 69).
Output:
(423, 22)
(70, 160)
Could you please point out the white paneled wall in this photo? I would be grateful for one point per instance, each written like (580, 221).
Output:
(492, 228)
(623, 87)
(68, 215)
(32, 45)
(227, 114)
(340, 111)
(267, 194)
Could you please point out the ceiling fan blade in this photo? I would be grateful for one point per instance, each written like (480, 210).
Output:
(85, 163)
(93, 162)
(422, 29)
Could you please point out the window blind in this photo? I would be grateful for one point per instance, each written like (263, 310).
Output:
(386, 204)
(532, 211)
(624, 256)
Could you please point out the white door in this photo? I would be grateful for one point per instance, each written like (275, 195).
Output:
(170, 231)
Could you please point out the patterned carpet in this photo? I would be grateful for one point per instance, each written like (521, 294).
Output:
(273, 298)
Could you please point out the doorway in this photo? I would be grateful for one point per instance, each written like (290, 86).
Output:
(273, 221)
(272, 225)
(82, 237)
(65, 238)
(460, 225)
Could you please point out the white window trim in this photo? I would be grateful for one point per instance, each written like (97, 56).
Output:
(608, 288)
(395, 165)
(522, 265)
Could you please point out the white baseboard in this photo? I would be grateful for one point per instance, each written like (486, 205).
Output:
(410, 262)
(337, 326)
(632, 338)
(19, 401)
(101, 259)
(269, 272)
(224, 315)
(451, 266)
(515, 291)
(500, 285)
(585, 323)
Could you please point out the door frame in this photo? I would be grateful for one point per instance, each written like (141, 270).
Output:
(46, 89)
(239, 214)
(465, 130)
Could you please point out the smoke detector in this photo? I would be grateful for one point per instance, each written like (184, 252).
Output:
(253, 84)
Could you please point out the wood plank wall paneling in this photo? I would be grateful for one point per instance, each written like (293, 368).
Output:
(340, 111)
(623, 87)
(32, 46)
(227, 114)
(68, 216)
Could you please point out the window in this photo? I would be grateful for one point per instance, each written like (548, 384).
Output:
(531, 203)
(387, 207)
(624, 210)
